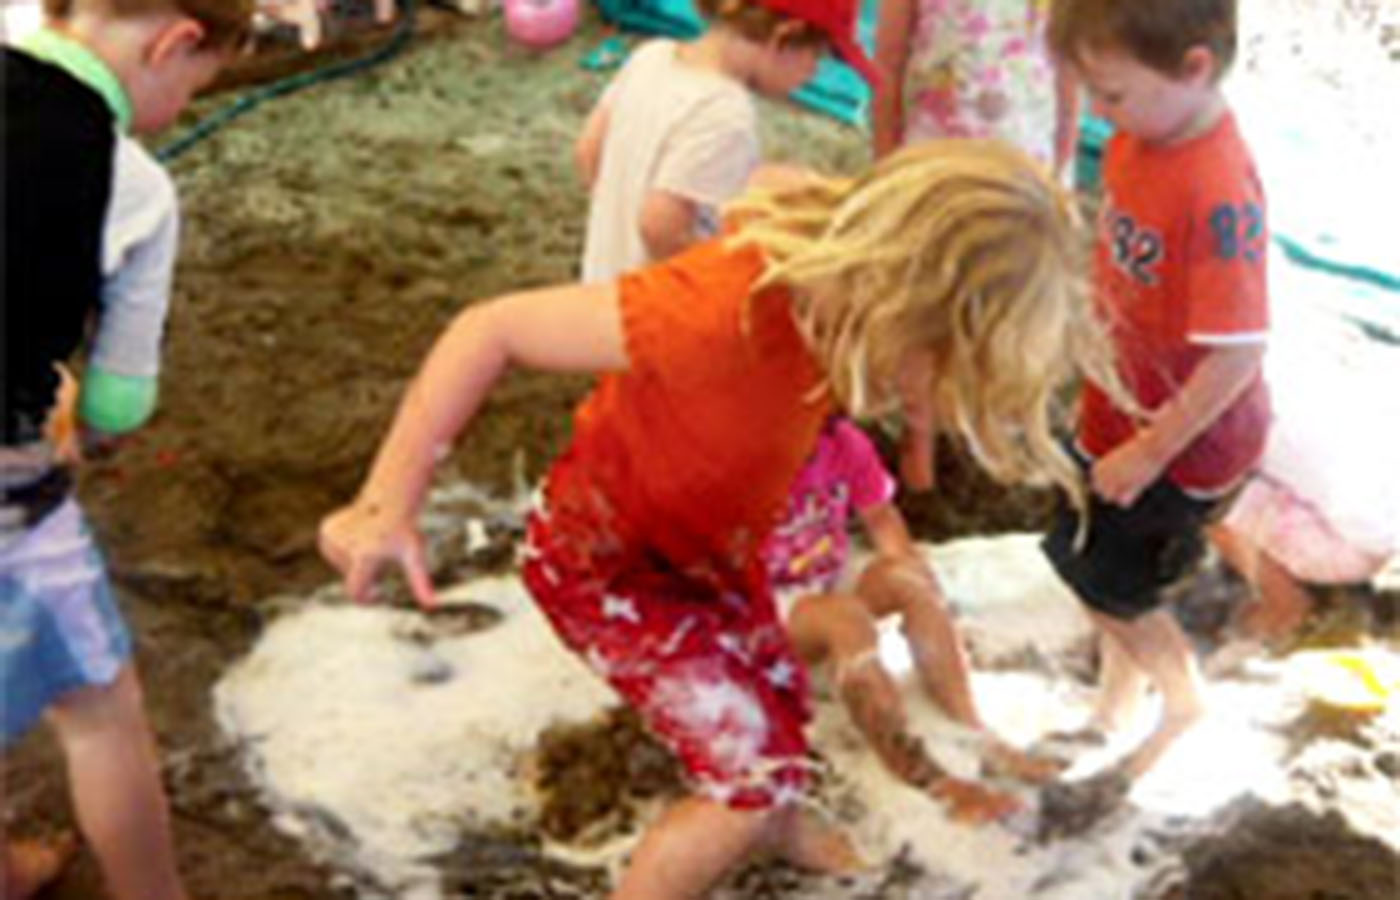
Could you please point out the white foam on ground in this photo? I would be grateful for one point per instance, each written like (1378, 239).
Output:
(335, 727)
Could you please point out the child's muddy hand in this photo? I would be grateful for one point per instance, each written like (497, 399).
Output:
(1124, 473)
(972, 803)
(1003, 761)
(358, 540)
(1072, 808)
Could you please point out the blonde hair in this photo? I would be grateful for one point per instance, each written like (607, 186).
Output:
(227, 23)
(961, 252)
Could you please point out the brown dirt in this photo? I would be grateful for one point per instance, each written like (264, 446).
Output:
(1287, 853)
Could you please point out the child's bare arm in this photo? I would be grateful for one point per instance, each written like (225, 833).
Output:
(887, 530)
(773, 176)
(667, 225)
(907, 578)
(566, 329)
(918, 451)
(892, 36)
(588, 149)
(1066, 117)
(1216, 383)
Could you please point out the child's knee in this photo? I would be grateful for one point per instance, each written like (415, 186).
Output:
(895, 585)
(837, 623)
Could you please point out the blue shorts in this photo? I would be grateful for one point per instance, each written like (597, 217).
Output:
(59, 625)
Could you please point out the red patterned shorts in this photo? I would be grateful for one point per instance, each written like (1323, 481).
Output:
(711, 672)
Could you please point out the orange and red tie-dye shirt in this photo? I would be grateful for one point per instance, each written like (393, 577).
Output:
(690, 453)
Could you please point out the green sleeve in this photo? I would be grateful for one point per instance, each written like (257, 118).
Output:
(116, 404)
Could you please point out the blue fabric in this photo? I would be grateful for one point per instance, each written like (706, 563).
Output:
(59, 625)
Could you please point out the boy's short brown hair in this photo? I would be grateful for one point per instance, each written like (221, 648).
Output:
(227, 23)
(1155, 32)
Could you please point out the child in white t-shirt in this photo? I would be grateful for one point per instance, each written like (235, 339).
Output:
(675, 134)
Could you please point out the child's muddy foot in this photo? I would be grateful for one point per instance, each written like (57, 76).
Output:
(31, 865)
(810, 842)
(971, 803)
(1071, 808)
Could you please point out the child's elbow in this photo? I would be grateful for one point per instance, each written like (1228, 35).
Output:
(585, 163)
(667, 225)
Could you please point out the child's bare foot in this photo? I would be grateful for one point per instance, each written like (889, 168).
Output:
(972, 803)
(1005, 761)
(808, 841)
(30, 865)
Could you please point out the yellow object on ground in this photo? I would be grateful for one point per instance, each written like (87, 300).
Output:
(1366, 680)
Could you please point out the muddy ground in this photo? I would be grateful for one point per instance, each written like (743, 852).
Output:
(328, 237)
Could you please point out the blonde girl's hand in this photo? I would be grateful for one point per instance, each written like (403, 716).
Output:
(360, 538)
(971, 803)
(1124, 473)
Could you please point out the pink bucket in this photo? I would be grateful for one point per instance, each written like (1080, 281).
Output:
(540, 24)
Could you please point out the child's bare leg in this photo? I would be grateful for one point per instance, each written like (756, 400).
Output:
(694, 844)
(1156, 645)
(895, 586)
(1122, 686)
(115, 781)
(842, 627)
(699, 841)
(908, 589)
(839, 628)
(804, 839)
(27, 867)
(1280, 604)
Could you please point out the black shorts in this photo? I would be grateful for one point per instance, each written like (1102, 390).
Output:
(1129, 555)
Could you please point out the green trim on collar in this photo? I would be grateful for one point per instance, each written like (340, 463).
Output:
(79, 61)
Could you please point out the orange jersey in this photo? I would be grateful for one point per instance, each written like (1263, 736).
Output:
(689, 454)
(1179, 271)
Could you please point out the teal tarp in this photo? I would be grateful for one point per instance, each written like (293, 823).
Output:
(835, 90)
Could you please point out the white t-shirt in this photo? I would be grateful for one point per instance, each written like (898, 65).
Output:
(139, 243)
(671, 127)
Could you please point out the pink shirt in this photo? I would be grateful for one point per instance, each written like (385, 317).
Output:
(809, 546)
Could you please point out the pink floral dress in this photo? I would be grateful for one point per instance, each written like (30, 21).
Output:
(981, 68)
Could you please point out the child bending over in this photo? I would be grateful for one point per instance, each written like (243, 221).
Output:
(675, 136)
(950, 269)
(90, 226)
(831, 614)
(968, 68)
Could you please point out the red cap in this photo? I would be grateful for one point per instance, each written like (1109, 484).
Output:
(837, 19)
